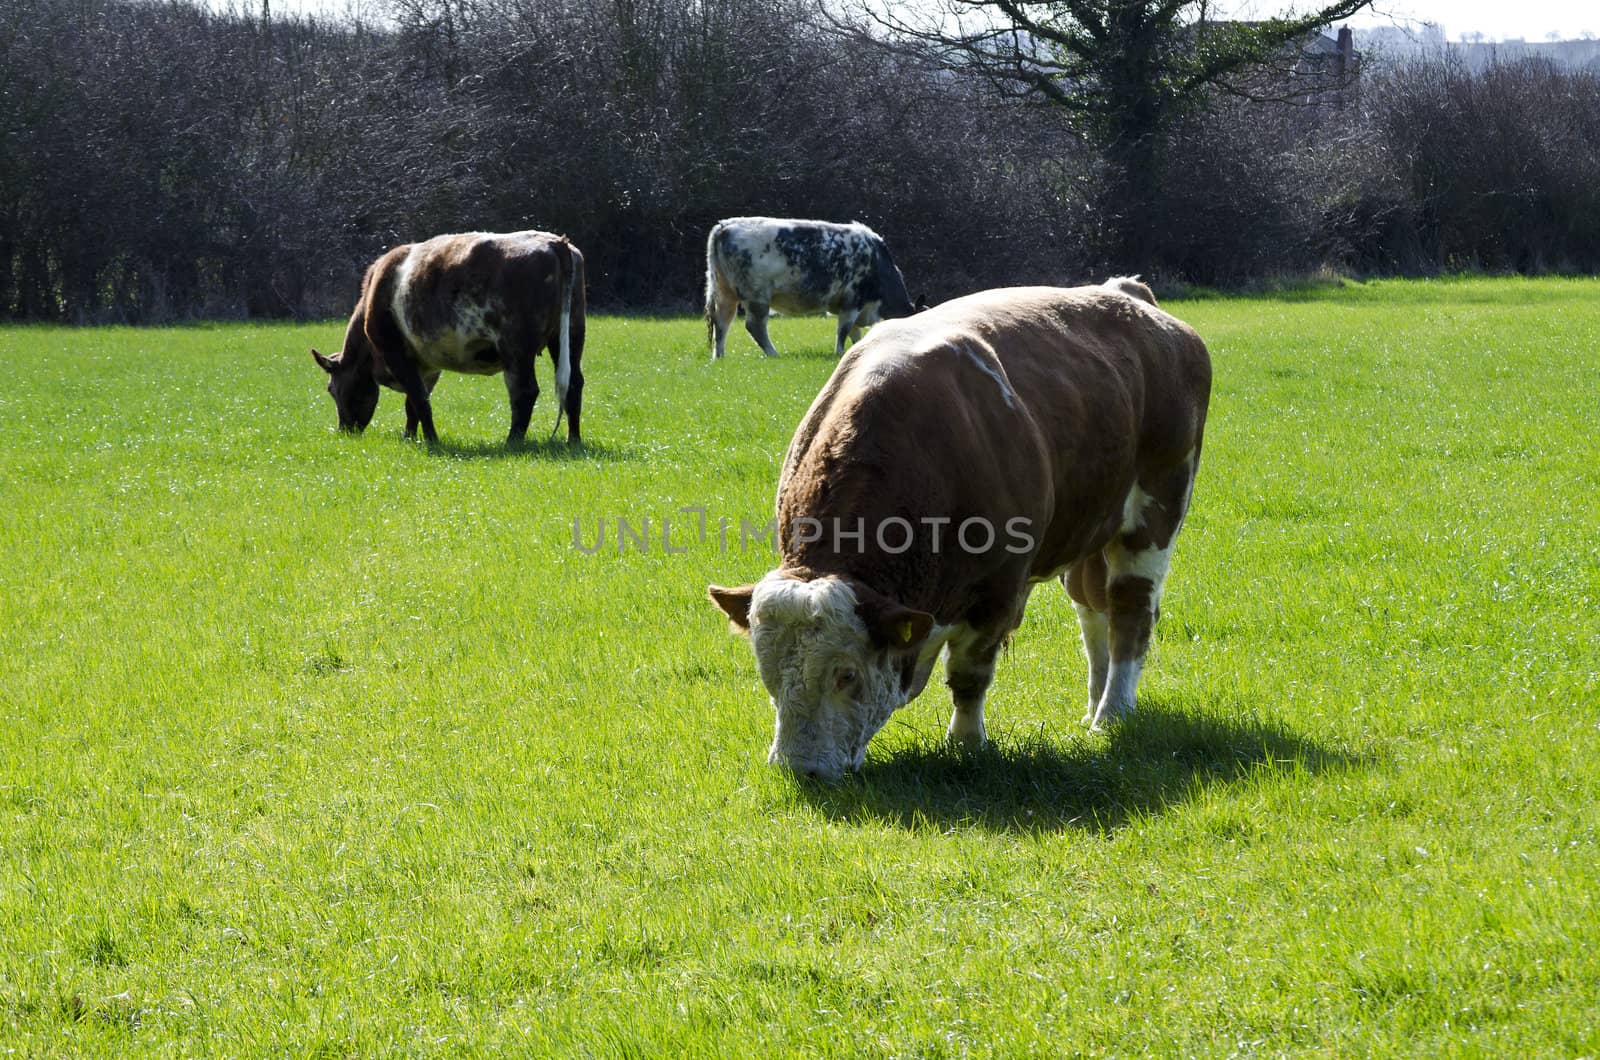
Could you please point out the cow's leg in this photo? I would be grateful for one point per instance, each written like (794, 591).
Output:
(968, 671)
(755, 322)
(575, 381)
(1136, 568)
(522, 387)
(847, 329)
(1086, 584)
(1096, 630)
(1133, 595)
(418, 407)
(724, 305)
(429, 381)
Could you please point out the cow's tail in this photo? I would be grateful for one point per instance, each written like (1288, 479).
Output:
(1133, 287)
(712, 267)
(564, 360)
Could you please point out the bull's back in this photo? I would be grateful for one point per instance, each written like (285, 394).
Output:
(1100, 366)
(1041, 403)
(455, 298)
(1117, 389)
(795, 266)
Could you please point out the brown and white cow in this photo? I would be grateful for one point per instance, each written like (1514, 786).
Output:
(953, 461)
(479, 303)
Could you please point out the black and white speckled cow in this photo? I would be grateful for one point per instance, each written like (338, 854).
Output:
(799, 267)
(480, 303)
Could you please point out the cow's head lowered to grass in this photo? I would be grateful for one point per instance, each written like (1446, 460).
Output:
(353, 387)
(837, 659)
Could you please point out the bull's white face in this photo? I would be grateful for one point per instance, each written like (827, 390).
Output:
(831, 688)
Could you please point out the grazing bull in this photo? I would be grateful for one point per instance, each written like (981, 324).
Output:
(951, 462)
(477, 303)
(799, 267)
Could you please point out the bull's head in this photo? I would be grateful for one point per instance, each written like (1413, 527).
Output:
(896, 301)
(354, 390)
(837, 659)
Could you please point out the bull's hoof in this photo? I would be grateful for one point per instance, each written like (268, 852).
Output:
(1107, 715)
(969, 738)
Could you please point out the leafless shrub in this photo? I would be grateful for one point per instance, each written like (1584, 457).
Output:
(1500, 168)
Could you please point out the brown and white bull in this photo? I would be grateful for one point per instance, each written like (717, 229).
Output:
(799, 267)
(953, 461)
(478, 303)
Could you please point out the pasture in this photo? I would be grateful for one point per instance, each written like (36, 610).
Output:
(338, 746)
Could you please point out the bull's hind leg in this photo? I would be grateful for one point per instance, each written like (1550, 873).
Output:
(1085, 583)
(755, 322)
(522, 387)
(574, 380)
(722, 305)
(1136, 561)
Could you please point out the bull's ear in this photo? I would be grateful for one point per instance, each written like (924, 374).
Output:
(327, 364)
(891, 624)
(735, 603)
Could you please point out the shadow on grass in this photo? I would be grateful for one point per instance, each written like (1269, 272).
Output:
(798, 352)
(548, 449)
(793, 350)
(1154, 760)
(1456, 288)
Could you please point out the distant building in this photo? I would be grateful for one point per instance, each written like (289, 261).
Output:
(1333, 59)
(1316, 70)
(1395, 41)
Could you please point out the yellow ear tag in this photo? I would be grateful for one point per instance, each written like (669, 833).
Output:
(905, 632)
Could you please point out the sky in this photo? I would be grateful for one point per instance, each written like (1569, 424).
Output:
(1495, 19)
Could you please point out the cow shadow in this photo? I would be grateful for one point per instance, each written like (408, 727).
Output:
(1035, 784)
(801, 352)
(553, 450)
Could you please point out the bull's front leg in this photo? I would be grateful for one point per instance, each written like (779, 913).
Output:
(419, 410)
(847, 330)
(969, 670)
(412, 415)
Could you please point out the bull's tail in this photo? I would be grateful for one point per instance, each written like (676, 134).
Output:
(711, 286)
(1133, 287)
(564, 361)
(719, 290)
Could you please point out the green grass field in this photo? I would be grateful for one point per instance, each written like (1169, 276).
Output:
(334, 746)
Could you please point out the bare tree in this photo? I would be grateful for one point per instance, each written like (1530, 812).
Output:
(1123, 71)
